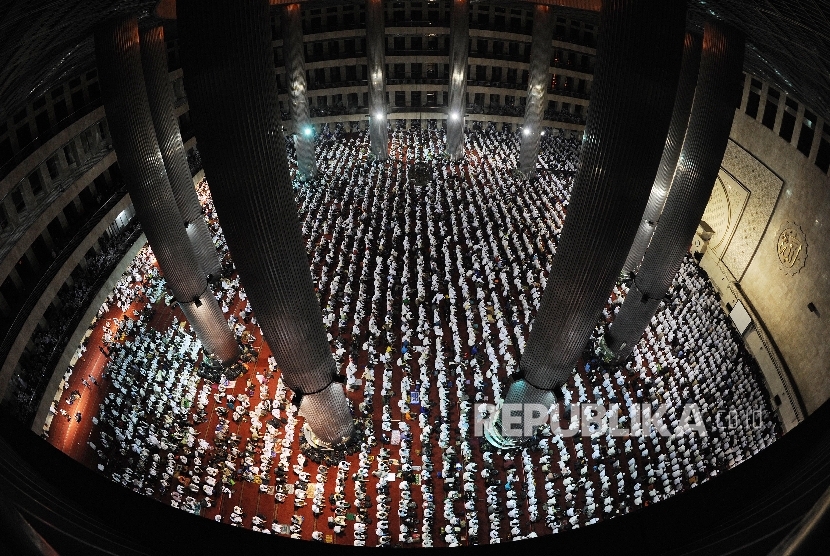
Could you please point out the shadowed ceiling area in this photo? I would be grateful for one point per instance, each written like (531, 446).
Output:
(787, 42)
(45, 43)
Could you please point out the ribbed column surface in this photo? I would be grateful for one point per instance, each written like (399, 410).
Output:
(671, 152)
(718, 84)
(293, 51)
(213, 324)
(459, 54)
(620, 155)
(229, 73)
(541, 49)
(376, 66)
(139, 158)
(168, 134)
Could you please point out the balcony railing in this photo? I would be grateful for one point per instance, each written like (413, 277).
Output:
(311, 58)
(418, 52)
(403, 22)
(423, 80)
(506, 56)
(563, 92)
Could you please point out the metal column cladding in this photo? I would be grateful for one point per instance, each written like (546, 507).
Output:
(160, 97)
(459, 54)
(293, 51)
(638, 65)
(541, 50)
(229, 73)
(718, 84)
(671, 152)
(376, 66)
(142, 165)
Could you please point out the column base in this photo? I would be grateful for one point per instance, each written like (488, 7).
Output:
(320, 451)
(519, 173)
(212, 369)
(520, 393)
(602, 351)
(495, 436)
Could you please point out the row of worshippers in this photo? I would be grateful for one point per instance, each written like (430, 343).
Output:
(429, 273)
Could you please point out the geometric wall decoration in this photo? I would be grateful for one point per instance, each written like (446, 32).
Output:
(791, 246)
(764, 187)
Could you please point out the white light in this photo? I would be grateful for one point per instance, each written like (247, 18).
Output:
(543, 133)
(526, 131)
(453, 116)
(307, 131)
(380, 115)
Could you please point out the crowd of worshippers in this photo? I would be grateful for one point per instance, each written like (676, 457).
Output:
(30, 380)
(429, 273)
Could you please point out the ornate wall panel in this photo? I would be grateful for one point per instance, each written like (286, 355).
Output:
(160, 97)
(142, 166)
(620, 155)
(229, 73)
(710, 122)
(764, 187)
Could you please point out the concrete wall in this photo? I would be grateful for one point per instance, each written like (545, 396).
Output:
(48, 149)
(48, 212)
(766, 187)
(780, 297)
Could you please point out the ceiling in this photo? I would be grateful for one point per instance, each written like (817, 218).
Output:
(43, 43)
(788, 43)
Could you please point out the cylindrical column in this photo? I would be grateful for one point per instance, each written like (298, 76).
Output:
(459, 53)
(541, 49)
(230, 77)
(671, 152)
(620, 155)
(716, 94)
(292, 48)
(376, 66)
(168, 134)
(142, 166)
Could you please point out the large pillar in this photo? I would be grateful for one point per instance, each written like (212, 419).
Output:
(168, 134)
(459, 53)
(292, 47)
(142, 166)
(671, 152)
(620, 155)
(716, 94)
(231, 82)
(541, 50)
(376, 66)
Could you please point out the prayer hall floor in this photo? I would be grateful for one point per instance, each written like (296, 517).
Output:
(442, 255)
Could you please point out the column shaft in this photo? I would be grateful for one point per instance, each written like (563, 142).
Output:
(700, 158)
(459, 53)
(376, 66)
(541, 50)
(292, 41)
(168, 134)
(142, 166)
(230, 78)
(620, 155)
(671, 152)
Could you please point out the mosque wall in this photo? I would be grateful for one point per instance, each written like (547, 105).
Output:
(769, 212)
